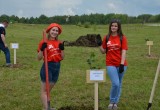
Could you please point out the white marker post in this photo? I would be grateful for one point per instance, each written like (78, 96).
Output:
(149, 43)
(154, 86)
(14, 46)
(96, 76)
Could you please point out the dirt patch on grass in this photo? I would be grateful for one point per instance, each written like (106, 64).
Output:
(152, 56)
(88, 40)
(78, 108)
(17, 65)
(13, 66)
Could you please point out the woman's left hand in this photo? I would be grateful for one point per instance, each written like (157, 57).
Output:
(121, 68)
(61, 46)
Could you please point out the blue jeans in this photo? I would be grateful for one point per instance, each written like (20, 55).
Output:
(6, 52)
(116, 80)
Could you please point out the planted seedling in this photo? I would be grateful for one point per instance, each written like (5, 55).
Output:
(92, 61)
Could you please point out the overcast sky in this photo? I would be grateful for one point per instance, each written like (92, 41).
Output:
(35, 8)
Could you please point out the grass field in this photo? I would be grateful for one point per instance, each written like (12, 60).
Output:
(20, 87)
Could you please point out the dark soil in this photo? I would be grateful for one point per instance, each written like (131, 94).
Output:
(88, 40)
(16, 65)
(152, 56)
(12, 66)
(78, 108)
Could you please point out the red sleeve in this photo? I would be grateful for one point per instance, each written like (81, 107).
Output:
(40, 45)
(60, 41)
(104, 44)
(124, 43)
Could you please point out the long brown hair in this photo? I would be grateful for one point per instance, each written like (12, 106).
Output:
(119, 31)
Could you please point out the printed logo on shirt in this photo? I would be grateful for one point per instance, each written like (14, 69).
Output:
(50, 46)
(109, 43)
(112, 46)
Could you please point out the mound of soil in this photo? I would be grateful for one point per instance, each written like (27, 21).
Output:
(78, 108)
(12, 66)
(17, 66)
(152, 56)
(88, 40)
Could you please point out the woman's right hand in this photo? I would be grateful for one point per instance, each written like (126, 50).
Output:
(5, 45)
(98, 40)
(44, 45)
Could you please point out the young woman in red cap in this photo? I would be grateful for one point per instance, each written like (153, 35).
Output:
(55, 53)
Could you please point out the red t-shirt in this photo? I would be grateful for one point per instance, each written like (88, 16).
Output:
(113, 55)
(53, 51)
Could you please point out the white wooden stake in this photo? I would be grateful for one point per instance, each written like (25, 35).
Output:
(14, 46)
(14, 56)
(149, 43)
(149, 50)
(96, 76)
(96, 96)
(155, 82)
(154, 86)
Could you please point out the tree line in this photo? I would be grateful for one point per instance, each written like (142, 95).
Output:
(82, 19)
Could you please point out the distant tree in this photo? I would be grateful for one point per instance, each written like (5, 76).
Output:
(22, 20)
(31, 21)
(42, 19)
(144, 17)
(157, 18)
(4, 17)
(83, 19)
(14, 19)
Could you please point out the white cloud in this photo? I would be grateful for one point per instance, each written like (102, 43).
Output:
(20, 13)
(111, 5)
(59, 7)
(53, 4)
(69, 11)
(114, 7)
(88, 11)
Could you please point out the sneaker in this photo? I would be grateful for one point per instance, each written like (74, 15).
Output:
(9, 65)
(115, 107)
(112, 106)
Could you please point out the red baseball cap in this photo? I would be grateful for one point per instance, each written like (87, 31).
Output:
(54, 25)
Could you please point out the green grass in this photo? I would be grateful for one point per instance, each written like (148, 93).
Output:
(20, 87)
